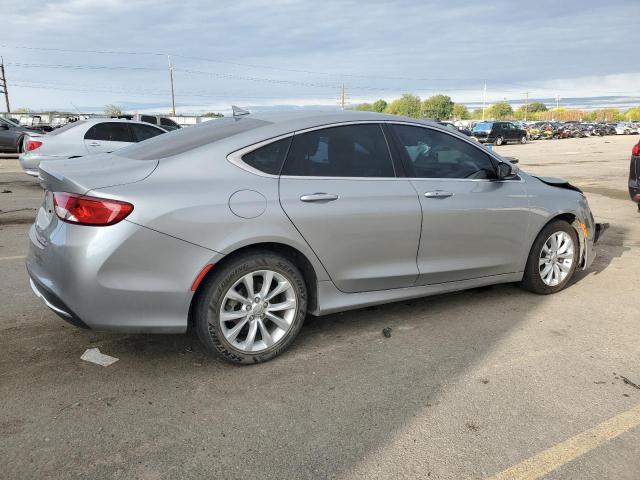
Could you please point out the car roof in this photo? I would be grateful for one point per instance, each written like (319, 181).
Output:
(233, 133)
(94, 120)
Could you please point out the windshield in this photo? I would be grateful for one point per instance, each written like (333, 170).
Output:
(185, 139)
(6, 120)
(482, 127)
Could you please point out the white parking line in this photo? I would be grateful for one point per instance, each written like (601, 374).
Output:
(16, 257)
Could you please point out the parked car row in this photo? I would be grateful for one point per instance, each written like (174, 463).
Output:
(501, 132)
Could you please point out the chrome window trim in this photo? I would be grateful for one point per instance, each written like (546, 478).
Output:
(235, 157)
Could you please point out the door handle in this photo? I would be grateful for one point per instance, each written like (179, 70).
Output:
(319, 197)
(94, 144)
(438, 194)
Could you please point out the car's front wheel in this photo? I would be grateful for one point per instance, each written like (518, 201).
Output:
(552, 260)
(499, 140)
(523, 139)
(252, 308)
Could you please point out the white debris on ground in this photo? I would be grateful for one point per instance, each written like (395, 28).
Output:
(94, 355)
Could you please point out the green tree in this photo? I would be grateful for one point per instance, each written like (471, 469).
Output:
(112, 110)
(500, 111)
(438, 107)
(536, 107)
(407, 105)
(212, 115)
(633, 114)
(365, 107)
(606, 115)
(379, 106)
(477, 114)
(460, 112)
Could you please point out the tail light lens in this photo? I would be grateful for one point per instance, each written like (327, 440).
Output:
(32, 145)
(85, 210)
(636, 150)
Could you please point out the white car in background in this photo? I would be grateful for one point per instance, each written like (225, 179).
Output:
(82, 138)
(624, 129)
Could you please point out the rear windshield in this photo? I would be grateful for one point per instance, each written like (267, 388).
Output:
(185, 139)
(482, 127)
(68, 126)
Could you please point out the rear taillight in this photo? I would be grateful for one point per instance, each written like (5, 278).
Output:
(85, 210)
(32, 145)
(636, 150)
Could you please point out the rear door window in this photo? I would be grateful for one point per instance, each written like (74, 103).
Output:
(346, 151)
(143, 132)
(148, 119)
(109, 132)
(169, 124)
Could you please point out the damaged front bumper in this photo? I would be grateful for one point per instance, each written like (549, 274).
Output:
(599, 231)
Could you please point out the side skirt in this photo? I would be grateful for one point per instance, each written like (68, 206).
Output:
(331, 300)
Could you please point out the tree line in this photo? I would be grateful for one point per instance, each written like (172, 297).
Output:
(441, 107)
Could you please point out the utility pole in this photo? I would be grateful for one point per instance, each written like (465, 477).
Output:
(3, 85)
(342, 97)
(484, 100)
(173, 96)
(526, 105)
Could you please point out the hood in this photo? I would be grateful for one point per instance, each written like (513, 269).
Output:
(558, 182)
(79, 175)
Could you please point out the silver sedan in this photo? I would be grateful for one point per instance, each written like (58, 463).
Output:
(79, 139)
(241, 227)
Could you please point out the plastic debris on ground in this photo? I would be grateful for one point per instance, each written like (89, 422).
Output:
(94, 355)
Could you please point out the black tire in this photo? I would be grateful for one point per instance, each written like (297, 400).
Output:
(19, 146)
(212, 292)
(499, 140)
(532, 280)
(523, 139)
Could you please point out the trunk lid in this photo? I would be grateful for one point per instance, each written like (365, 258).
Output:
(79, 175)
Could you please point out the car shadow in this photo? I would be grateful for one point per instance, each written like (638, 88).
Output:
(340, 394)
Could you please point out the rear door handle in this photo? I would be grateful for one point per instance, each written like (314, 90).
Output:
(94, 144)
(438, 194)
(319, 197)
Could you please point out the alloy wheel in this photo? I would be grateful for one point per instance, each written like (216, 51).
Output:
(556, 258)
(257, 311)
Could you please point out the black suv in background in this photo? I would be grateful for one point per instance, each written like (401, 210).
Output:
(634, 175)
(498, 133)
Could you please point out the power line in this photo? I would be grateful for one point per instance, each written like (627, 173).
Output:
(237, 64)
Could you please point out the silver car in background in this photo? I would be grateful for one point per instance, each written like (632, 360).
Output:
(82, 138)
(241, 227)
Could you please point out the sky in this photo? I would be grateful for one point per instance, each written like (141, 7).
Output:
(84, 54)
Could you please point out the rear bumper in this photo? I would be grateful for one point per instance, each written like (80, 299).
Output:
(123, 278)
(30, 162)
(54, 303)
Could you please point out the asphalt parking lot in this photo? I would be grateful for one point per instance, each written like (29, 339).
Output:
(494, 382)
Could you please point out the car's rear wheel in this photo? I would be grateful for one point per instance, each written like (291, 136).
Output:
(499, 140)
(552, 260)
(251, 310)
(523, 139)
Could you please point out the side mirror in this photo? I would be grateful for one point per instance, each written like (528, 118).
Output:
(507, 171)
(4, 127)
